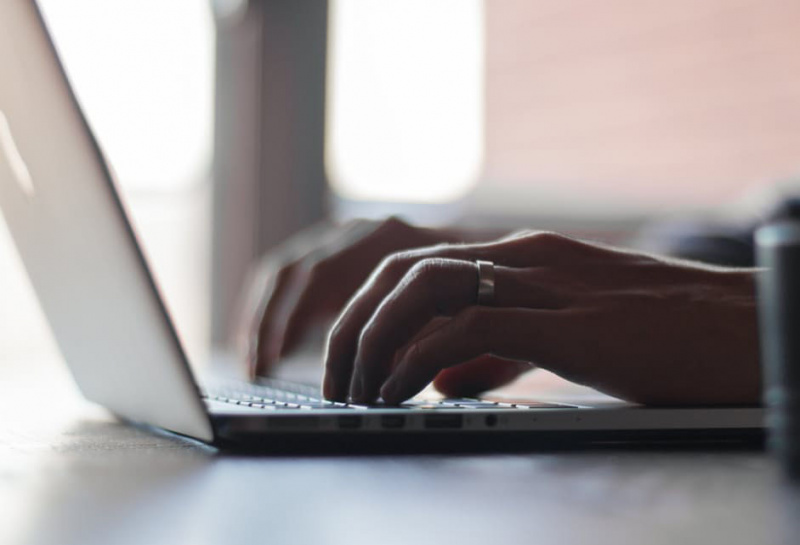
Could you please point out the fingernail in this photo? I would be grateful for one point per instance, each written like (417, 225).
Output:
(389, 390)
(327, 387)
(356, 388)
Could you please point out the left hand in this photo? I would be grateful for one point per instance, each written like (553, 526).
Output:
(635, 326)
(308, 280)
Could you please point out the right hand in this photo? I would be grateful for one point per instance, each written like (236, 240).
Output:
(638, 327)
(309, 279)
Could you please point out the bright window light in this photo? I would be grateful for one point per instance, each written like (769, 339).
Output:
(143, 71)
(405, 102)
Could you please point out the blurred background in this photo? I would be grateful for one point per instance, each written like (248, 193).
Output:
(233, 124)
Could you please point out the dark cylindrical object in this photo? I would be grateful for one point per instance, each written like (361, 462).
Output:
(778, 252)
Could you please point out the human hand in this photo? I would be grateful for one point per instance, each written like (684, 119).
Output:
(310, 278)
(635, 326)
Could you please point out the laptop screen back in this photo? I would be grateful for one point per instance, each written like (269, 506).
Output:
(81, 255)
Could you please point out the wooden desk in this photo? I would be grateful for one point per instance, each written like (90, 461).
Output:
(70, 474)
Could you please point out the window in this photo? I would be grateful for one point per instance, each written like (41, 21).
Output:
(405, 108)
(143, 72)
(618, 107)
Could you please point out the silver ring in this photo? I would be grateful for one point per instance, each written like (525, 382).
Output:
(485, 282)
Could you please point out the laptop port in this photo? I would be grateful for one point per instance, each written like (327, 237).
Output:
(443, 421)
(393, 421)
(349, 422)
(491, 420)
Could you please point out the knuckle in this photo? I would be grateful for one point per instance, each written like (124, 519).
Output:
(396, 263)
(426, 276)
(284, 271)
(547, 238)
(393, 224)
(336, 332)
(386, 266)
(544, 241)
(437, 281)
(425, 270)
(317, 271)
(318, 266)
(393, 267)
(522, 233)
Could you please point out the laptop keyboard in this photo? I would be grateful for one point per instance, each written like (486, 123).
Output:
(273, 395)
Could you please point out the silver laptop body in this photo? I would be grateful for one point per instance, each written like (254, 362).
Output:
(71, 230)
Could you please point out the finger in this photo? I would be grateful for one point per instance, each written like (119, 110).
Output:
(283, 291)
(528, 250)
(340, 270)
(479, 375)
(518, 334)
(282, 288)
(312, 300)
(250, 309)
(433, 287)
(270, 290)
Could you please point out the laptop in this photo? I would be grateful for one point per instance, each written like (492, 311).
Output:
(89, 272)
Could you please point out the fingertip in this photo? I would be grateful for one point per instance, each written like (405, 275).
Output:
(260, 369)
(390, 391)
(356, 389)
(338, 365)
(258, 362)
(329, 388)
(478, 375)
(252, 370)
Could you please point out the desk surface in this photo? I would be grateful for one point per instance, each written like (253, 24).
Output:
(71, 474)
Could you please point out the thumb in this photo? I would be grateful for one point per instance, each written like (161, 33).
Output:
(479, 375)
